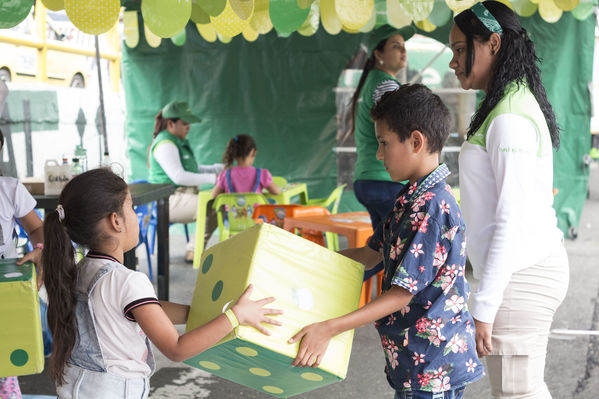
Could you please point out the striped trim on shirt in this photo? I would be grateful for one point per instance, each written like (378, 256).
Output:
(128, 310)
(384, 87)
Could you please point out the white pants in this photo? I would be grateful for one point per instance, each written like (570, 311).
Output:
(521, 328)
(183, 208)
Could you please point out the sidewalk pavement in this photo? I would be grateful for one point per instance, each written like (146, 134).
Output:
(572, 370)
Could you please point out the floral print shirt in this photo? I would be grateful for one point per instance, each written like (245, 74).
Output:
(429, 345)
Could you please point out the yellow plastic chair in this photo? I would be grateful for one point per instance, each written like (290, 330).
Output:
(332, 204)
(279, 181)
(204, 197)
(238, 208)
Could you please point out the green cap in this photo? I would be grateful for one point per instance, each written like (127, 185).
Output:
(179, 110)
(386, 31)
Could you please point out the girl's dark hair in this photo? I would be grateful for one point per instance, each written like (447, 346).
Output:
(86, 200)
(161, 123)
(516, 62)
(238, 147)
(368, 66)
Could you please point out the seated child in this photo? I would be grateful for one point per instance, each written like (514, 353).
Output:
(422, 317)
(243, 178)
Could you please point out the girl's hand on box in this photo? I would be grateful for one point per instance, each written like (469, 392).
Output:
(315, 339)
(253, 313)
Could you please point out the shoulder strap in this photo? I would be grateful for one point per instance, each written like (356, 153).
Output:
(258, 178)
(229, 184)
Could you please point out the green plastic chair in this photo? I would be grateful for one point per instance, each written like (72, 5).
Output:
(204, 196)
(279, 181)
(238, 209)
(332, 201)
(332, 204)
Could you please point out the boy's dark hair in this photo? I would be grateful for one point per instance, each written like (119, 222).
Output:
(414, 107)
(239, 146)
(86, 200)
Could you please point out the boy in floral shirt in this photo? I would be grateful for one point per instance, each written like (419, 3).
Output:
(422, 315)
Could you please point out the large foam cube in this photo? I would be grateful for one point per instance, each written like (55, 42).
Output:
(21, 346)
(310, 283)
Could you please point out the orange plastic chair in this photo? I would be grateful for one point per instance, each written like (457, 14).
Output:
(276, 214)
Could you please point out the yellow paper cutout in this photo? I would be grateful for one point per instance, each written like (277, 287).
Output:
(549, 11)
(354, 14)
(93, 16)
(417, 10)
(249, 34)
(54, 5)
(228, 24)
(329, 18)
(260, 21)
(207, 32)
(567, 5)
(243, 8)
(311, 23)
(131, 28)
(396, 15)
(425, 25)
(152, 39)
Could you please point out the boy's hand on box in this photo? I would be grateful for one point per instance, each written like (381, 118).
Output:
(253, 313)
(315, 340)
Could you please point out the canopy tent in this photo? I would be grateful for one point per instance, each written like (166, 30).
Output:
(277, 85)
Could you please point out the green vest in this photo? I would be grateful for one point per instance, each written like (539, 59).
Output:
(367, 166)
(518, 100)
(157, 174)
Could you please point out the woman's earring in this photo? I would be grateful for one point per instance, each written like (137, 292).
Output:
(381, 62)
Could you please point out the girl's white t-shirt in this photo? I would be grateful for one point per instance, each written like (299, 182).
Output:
(118, 292)
(15, 202)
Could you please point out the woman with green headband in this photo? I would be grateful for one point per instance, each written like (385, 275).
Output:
(506, 184)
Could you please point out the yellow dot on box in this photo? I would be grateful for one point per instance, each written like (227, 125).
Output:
(271, 389)
(260, 372)
(245, 351)
(209, 365)
(312, 377)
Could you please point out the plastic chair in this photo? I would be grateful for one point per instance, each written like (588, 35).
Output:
(204, 196)
(332, 203)
(146, 216)
(273, 214)
(279, 181)
(238, 211)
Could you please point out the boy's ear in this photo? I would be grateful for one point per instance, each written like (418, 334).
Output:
(418, 141)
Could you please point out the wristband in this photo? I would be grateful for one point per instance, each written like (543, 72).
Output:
(232, 318)
(40, 245)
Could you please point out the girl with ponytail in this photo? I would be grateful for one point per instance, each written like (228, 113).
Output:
(103, 315)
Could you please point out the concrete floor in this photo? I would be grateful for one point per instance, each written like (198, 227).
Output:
(572, 363)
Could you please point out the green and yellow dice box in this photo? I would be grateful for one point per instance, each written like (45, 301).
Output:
(310, 284)
(21, 346)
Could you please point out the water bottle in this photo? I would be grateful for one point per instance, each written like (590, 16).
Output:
(76, 166)
(81, 154)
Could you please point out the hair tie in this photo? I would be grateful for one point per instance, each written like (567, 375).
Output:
(236, 138)
(60, 211)
(488, 20)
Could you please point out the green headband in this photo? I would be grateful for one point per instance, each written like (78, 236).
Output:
(486, 18)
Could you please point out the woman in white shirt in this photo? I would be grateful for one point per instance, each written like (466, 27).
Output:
(506, 181)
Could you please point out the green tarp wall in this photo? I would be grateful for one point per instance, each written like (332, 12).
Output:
(280, 90)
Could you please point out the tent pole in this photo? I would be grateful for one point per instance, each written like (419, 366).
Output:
(102, 112)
